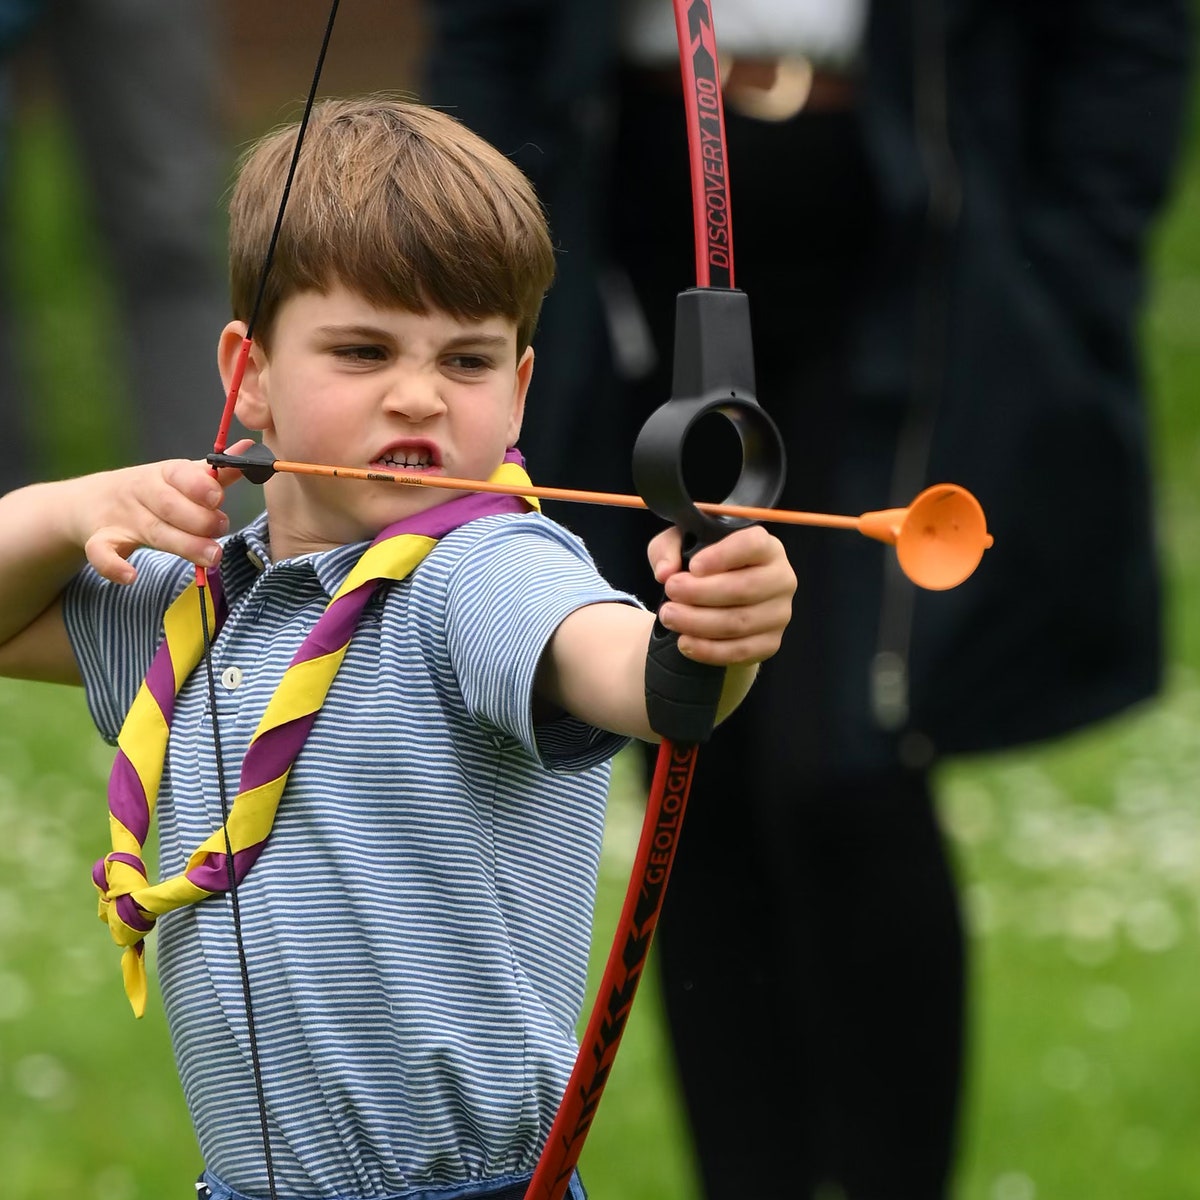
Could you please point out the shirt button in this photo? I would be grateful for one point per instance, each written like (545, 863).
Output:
(231, 677)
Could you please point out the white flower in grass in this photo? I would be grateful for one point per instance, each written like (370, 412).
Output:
(1035, 842)
(10, 909)
(49, 861)
(83, 967)
(100, 756)
(1152, 926)
(44, 1078)
(17, 763)
(1066, 1068)
(16, 996)
(969, 813)
(1091, 915)
(1013, 1185)
(1140, 1147)
(1107, 1007)
(114, 1183)
(1092, 841)
(1093, 953)
(1043, 913)
(1169, 844)
(985, 908)
(1141, 790)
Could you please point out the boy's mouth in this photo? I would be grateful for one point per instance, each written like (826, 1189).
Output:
(406, 460)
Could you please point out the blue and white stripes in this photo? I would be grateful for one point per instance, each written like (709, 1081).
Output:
(417, 928)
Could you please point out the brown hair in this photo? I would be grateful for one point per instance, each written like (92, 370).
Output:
(400, 203)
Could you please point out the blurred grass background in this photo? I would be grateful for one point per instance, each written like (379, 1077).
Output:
(1079, 863)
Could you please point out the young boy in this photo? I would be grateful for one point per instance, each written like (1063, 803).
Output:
(417, 922)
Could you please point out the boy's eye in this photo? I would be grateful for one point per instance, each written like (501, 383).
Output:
(362, 353)
(468, 363)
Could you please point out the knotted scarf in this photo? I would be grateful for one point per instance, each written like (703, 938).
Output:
(129, 903)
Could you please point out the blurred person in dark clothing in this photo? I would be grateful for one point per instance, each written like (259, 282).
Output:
(138, 80)
(940, 214)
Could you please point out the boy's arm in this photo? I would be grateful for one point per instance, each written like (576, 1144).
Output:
(730, 609)
(48, 531)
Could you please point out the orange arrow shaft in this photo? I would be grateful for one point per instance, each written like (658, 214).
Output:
(614, 499)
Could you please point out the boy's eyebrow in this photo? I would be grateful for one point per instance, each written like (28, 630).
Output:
(370, 332)
(374, 333)
(498, 340)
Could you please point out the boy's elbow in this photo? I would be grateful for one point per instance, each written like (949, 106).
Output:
(41, 652)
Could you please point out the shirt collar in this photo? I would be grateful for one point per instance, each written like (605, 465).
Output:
(248, 554)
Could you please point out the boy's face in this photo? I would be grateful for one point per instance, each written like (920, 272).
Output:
(349, 384)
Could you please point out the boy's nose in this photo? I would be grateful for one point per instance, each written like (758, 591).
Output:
(416, 397)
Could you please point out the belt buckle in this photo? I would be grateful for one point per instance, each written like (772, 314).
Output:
(756, 91)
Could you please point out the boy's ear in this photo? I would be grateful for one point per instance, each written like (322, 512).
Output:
(520, 390)
(251, 409)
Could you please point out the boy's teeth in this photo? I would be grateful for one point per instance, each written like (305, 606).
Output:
(409, 462)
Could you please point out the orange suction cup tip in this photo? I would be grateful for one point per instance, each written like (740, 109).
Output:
(940, 538)
(943, 537)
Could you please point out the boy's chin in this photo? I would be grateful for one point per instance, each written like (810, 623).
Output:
(345, 519)
(404, 502)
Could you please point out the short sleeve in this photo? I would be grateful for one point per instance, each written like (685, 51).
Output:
(506, 596)
(114, 630)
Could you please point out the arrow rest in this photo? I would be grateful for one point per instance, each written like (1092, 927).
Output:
(713, 375)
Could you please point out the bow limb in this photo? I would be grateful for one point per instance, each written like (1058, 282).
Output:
(714, 372)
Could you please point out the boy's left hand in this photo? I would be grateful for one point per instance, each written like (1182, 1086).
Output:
(733, 603)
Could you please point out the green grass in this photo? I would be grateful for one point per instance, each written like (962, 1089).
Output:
(1079, 863)
(89, 1106)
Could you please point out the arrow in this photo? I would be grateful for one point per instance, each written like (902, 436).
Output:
(940, 538)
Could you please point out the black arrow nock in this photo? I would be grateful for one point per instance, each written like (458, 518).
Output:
(256, 463)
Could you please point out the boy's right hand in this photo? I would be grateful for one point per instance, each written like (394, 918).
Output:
(173, 506)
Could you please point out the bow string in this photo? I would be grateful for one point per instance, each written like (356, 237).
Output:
(202, 587)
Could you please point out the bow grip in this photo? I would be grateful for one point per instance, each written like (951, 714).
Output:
(713, 375)
(681, 694)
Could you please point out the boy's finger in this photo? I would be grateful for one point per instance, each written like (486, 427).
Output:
(173, 511)
(107, 561)
(735, 588)
(741, 548)
(729, 653)
(723, 623)
(107, 548)
(665, 554)
(193, 479)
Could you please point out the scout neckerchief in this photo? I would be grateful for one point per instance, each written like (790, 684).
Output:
(129, 903)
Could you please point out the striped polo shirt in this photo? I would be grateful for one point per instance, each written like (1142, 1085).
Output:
(417, 928)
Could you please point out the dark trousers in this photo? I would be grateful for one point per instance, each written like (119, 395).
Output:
(811, 959)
